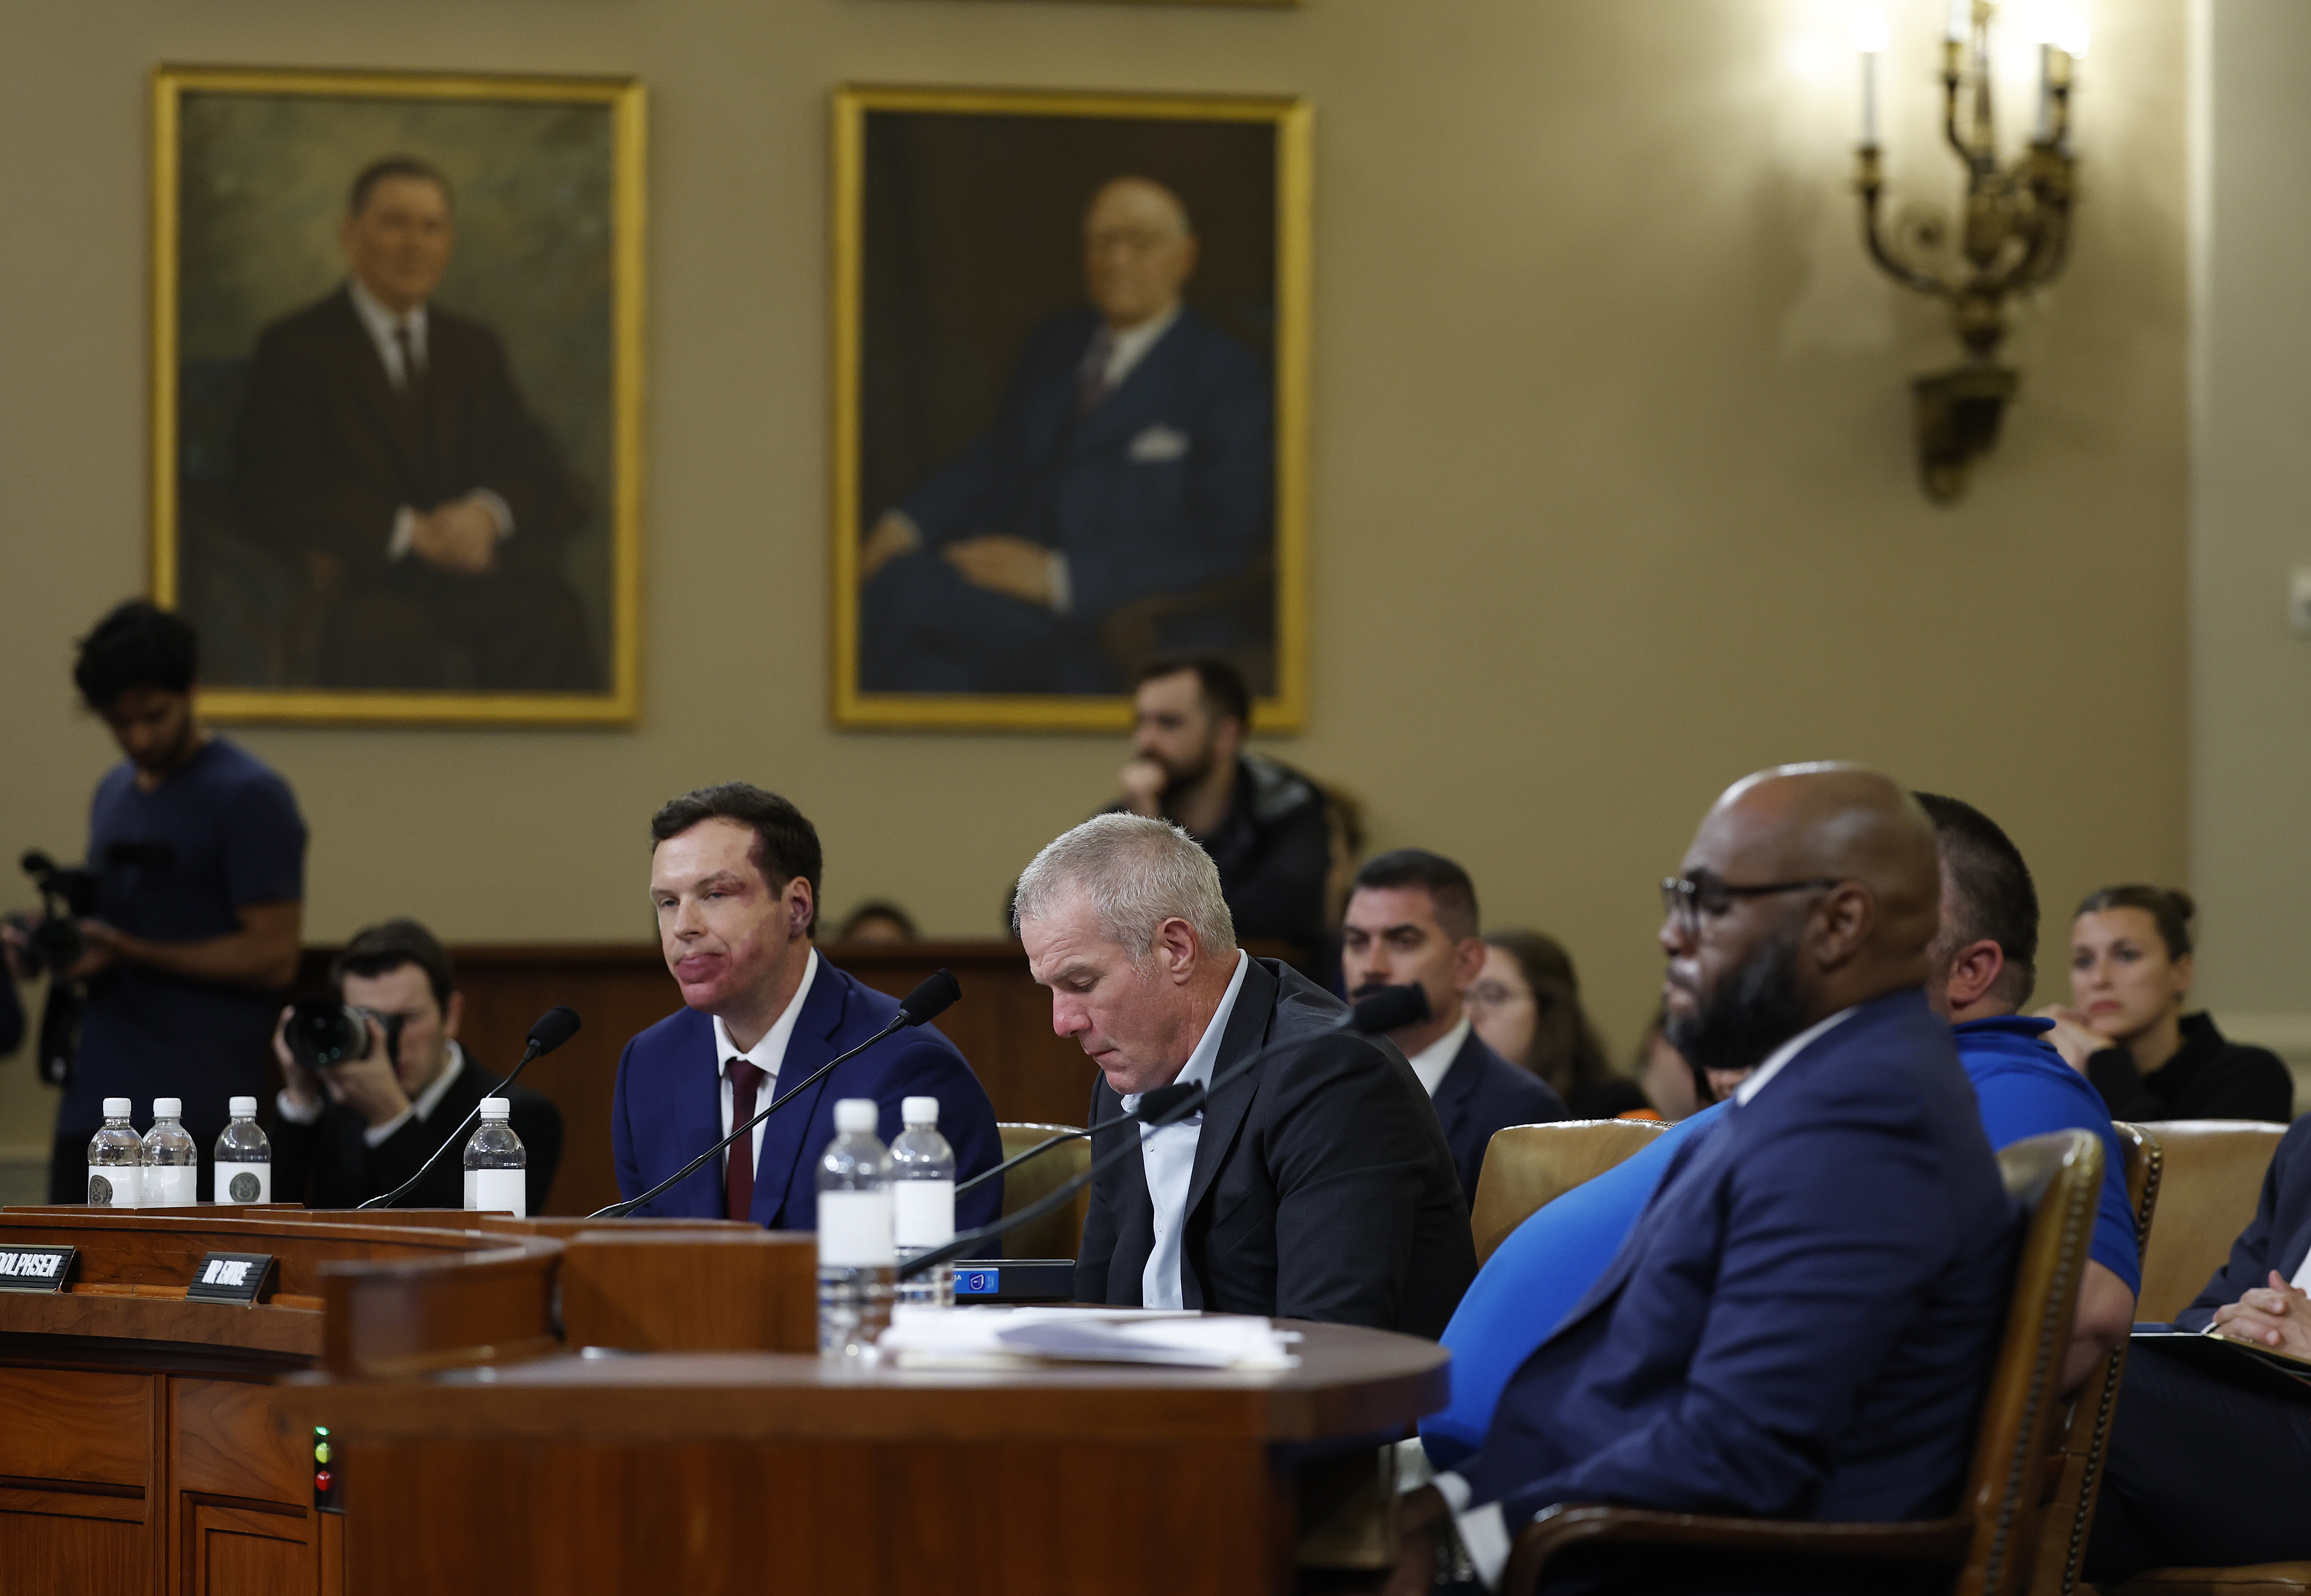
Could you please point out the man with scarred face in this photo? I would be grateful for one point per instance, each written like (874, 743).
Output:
(1800, 1323)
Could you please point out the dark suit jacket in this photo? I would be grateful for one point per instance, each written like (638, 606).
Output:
(668, 1107)
(1803, 1320)
(1481, 1093)
(329, 452)
(1166, 487)
(329, 1164)
(1321, 1187)
(2278, 1237)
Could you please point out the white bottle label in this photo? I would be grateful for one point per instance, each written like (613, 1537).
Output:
(169, 1185)
(244, 1182)
(498, 1191)
(854, 1229)
(115, 1185)
(922, 1213)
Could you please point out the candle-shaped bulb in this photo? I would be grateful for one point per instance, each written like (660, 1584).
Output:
(1961, 19)
(2074, 35)
(1869, 33)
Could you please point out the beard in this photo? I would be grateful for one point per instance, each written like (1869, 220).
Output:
(1182, 776)
(1752, 1012)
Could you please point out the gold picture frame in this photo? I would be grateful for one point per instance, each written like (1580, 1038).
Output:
(870, 123)
(245, 162)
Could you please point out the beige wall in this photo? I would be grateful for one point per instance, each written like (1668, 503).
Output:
(1612, 492)
(2250, 674)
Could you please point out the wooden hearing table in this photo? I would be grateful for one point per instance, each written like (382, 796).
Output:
(562, 1408)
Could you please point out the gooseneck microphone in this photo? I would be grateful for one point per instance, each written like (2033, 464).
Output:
(934, 997)
(556, 1026)
(1390, 1008)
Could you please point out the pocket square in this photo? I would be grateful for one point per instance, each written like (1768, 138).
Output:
(1156, 445)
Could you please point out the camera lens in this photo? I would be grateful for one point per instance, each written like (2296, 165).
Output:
(321, 1032)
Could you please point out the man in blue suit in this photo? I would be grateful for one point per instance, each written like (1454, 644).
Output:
(1801, 1322)
(733, 879)
(1412, 920)
(1132, 457)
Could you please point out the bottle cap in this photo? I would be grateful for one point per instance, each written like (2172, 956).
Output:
(241, 1108)
(167, 1108)
(496, 1108)
(116, 1108)
(853, 1116)
(919, 1111)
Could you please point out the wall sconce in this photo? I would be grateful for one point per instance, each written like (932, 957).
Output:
(2015, 235)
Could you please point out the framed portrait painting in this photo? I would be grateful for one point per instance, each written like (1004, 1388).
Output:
(396, 392)
(1070, 402)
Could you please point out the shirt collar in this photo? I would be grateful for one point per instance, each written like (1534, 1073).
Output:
(1432, 1062)
(381, 321)
(1197, 1070)
(770, 1051)
(428, 1100)
(1130, 345)
(1782, 1054)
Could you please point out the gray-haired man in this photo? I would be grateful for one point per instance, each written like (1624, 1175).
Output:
(1317, 1184)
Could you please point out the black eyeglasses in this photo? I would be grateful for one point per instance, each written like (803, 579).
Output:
(1687, 899)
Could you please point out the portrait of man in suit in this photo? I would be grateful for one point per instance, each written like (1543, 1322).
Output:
(397, 347)
(1069, 436)
(387, 456)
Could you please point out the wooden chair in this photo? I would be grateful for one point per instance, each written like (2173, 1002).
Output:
(2210, 1177)
(2082, 1430)
(1529, 1166)
(1057, 1234)
(1988, 1547)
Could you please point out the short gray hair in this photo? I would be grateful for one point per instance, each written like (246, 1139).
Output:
(1137, 872)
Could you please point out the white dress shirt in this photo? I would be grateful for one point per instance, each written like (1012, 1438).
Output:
(1168, 1154)
(766, 1055)
(1130, 346)
(382, 323)
(1432, 1062)
(421, 1108)
(1484, 1532)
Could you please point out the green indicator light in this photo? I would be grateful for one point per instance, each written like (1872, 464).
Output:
(320, 1429)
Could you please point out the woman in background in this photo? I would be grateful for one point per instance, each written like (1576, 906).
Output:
(1526, 1005)
(2124, 1028)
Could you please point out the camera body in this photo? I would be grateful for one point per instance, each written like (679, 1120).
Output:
(323, 1031)
(53, 943)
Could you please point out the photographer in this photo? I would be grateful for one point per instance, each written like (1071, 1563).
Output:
(356, 1129)
(199, 854)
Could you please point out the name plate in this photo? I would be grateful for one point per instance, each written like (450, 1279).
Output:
(1014, 1280)
(230, 1277)
(35, 1269)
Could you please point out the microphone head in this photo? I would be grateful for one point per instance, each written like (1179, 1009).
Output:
(1155, 1105)
(557, 1026)
(933, 998)
(1391, 1009)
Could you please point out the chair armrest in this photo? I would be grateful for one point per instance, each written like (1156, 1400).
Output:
(1941, 1542)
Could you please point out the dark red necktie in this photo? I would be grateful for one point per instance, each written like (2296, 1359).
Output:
(738, 1182)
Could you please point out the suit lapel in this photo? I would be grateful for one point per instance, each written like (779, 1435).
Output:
(357, 355)
(1247, 1031)
(697, 1119)
(1697, 1160)
(784, 1135)
(1135, 401)
(1454, 1092)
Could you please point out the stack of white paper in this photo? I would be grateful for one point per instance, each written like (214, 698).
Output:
(994, 1337)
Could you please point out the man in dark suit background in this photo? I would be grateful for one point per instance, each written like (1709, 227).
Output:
(387, 456)
(1803, 1322)
(1315, 1185)
(1412, 919)
(1132, 456)
(368, 1124)
(734, 878)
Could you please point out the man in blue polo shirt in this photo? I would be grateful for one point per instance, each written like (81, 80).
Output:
(1982, 973)
(200, 853)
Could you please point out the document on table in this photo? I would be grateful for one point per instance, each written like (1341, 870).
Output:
(1001, 1336)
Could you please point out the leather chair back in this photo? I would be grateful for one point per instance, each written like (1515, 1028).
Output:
(1529, 1166)
(1059, 1233)
(2210, 1177)
(2082, 1431)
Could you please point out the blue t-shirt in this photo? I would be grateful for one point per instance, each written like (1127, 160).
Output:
(1548, 1263)
(236, 839)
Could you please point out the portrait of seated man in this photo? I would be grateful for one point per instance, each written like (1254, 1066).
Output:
(387, 456)
(1131, 459)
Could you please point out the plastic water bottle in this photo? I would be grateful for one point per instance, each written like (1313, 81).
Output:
(244, 1156)
(922, 1201)
(855, 1253)
(172, 1163)
(116, 1160)
(497, 1166)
